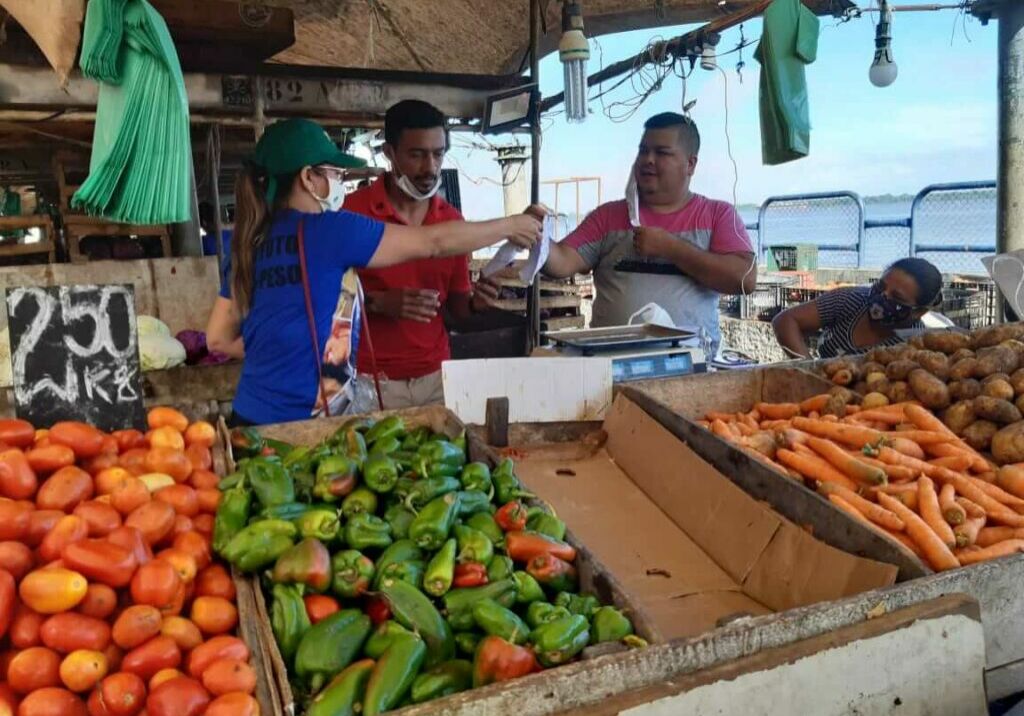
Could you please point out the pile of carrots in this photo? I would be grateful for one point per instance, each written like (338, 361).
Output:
(897, 468)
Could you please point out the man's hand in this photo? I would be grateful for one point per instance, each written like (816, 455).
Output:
(413, 304)
(485, 293)
(538, 210)
(649, 241)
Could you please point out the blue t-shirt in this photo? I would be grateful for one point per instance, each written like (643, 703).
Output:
(279, 379)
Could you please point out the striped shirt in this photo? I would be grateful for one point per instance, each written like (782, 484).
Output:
(840, 310)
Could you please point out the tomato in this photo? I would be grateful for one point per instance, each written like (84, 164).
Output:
(114, 654)
(94, 704)
(219, 647)
(203, 524)
(136, 625)
(226, 675)
(128, 439)
(40, 522)
(182, 525)
(167, 417)
(156, 583)
(52, 702)
(17, 478)
(209, 500)
(320, 606)
(194, 544)
(110, 478)
(8, 700)
(34, 668)
(233, 704)
(170, 462)
(101, 561)
(182, 562)
(45, 459)
(185, 634)
(123, 694)
(201, 433)
(52, 590)
(68, 530)
(24, 631)
(64, 489)
(71, 631)
(214, 615)
(133, 540)
(129, 495)
(134, 460)
(17, 433)
(100, 601)
(82, 669)
(203, 479)
(166, 437)
(158, 653)
(14, 520)
(180, 497)
(16, 558)
(86, 440)
(214, 581)
(177, 697)
(154, 519)
(104, 461)
(8, 601)
(199, 456)
(101, 518)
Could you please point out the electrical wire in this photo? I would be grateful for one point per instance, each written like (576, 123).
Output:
(737, 223)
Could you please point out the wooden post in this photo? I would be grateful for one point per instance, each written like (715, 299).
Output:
(496, 421)
(533, 295)
(213, 159)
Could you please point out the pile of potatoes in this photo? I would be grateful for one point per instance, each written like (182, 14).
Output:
(974, 382)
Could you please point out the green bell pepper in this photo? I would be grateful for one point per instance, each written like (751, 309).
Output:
(506, 485)
(382, 637)
(445, 679)
(386, 446)
(246, 441)
(528, 590)
(358, 424)
(485, 522)
(389, 426)
(609, 624)
(320, 523)
(335, 478)
(558, 641)
(444, 452)
(467, 641)
(434, 523)
(285, 511)
(232, 516)
(585, 604)
(393, 674)
(259, 544)
(380, 473)
(496, 620)
(330, 645)
(410, 572)
(364, 531)
(472, 502)
(403, 550)
(415, 437)
(500, 567)
(539, 613)
(359, 501)
(343, 696)
(476, 476)
(307, 563)
(230, 481)
(270, 482)
(399, 517)
(546, 525)
(414, 610)
(474, 546)
(440, 570)
(352, 572)
(288, 619)
(353, 445)
(429, 489)
(458, 603)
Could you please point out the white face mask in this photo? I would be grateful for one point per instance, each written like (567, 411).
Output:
(413, 193)
(335, 195)
(632, 200)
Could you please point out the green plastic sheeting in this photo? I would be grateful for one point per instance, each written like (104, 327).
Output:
(141, 166)
(789, 42)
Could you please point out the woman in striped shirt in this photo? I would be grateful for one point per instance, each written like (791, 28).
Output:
(859, 318)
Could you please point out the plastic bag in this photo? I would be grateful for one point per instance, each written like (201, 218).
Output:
(159, 352)
(654, 314)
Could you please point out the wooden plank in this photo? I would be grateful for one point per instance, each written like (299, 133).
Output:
(25, 222)
(185, 290)
(38, 247)
(557, 324)
(546, 302)
(497, 421)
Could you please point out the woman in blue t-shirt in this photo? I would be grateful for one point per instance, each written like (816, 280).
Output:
(290, 302)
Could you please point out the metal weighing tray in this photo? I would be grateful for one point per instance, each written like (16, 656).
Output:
(593, 340)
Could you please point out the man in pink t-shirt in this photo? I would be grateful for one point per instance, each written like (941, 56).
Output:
(687, 251)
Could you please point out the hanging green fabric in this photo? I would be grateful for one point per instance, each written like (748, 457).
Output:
(789, 42)
(141, 166)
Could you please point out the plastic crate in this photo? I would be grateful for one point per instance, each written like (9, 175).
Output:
(795, 257)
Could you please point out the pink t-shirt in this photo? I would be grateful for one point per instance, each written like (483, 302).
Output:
(606, 237)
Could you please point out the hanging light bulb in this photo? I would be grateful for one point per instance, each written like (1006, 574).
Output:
(574, 51)
(883, 70)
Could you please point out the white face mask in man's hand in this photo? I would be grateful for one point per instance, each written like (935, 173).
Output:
(632, 200)
(335, 198)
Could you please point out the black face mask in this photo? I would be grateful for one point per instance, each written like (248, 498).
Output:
(886, 311)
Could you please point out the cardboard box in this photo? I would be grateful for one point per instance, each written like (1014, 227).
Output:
(688, 546)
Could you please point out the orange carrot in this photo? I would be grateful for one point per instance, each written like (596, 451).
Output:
(954, 450)
(896, 473)
(846, 463)
(778, 411)
(774, 424)
(894, 457)
(845, 433)
(814, 415)
(997, 511)
(815, 404)
(829, 418)
(988, 536)
(953, 512)
(905, 493)
(754, 415)
(973, 509)
(789, 437)
(936, 553)
(749, 421)
(967, 533)
(852, 410)
(889, 414)
(878, 515)
(721, 429)
(931, 513)
(744, 429)
(718, 415)
(905, 445)
(813, 467)
(925, 420)
(956, 463)
(988, 476)
(902, 538)
(999, 549)
(997, 493)
(921, 437)
(848, 509)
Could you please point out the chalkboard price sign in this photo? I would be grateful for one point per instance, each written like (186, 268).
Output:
(75, 355)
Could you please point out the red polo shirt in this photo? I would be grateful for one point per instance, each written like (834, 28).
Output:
(408, 349)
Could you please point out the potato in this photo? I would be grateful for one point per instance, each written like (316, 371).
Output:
(934, 362)
(1008, 444)
(916, 342)
(998, 388)
(899, 392)
(836, 405)
(877, 383)
(995, 376)
(958, 416)
(960, 355)
(947, 342)
(996, 410)
(931, 391)
(1017, 348)
(843, 376)
(868, 367)
(965, 389)
(979, 434)
(900, 369)
(994, 335)
(1017, 381)
(963, 369)
(998, 359)
(905, 352)
(885, 356)
(1020, 404)
(831, 367)
(874, 400)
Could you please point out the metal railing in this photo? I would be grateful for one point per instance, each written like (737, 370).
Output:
(839, 214)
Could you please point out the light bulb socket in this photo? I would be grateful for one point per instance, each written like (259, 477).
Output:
(573, 45)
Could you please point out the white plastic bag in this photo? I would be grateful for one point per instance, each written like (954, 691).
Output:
(654, 314)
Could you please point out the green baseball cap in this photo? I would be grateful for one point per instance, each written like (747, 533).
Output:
(291, 144)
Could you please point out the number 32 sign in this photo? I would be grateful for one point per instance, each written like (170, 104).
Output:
(75, 354)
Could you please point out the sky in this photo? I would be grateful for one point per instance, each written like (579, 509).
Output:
(936, 123)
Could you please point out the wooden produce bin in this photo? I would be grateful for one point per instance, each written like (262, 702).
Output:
(678, 403)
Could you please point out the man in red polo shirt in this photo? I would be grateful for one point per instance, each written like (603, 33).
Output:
(404, 303)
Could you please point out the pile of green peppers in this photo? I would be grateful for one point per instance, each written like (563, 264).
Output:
(444, 574)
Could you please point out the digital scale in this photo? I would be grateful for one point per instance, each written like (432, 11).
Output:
(639, 352)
